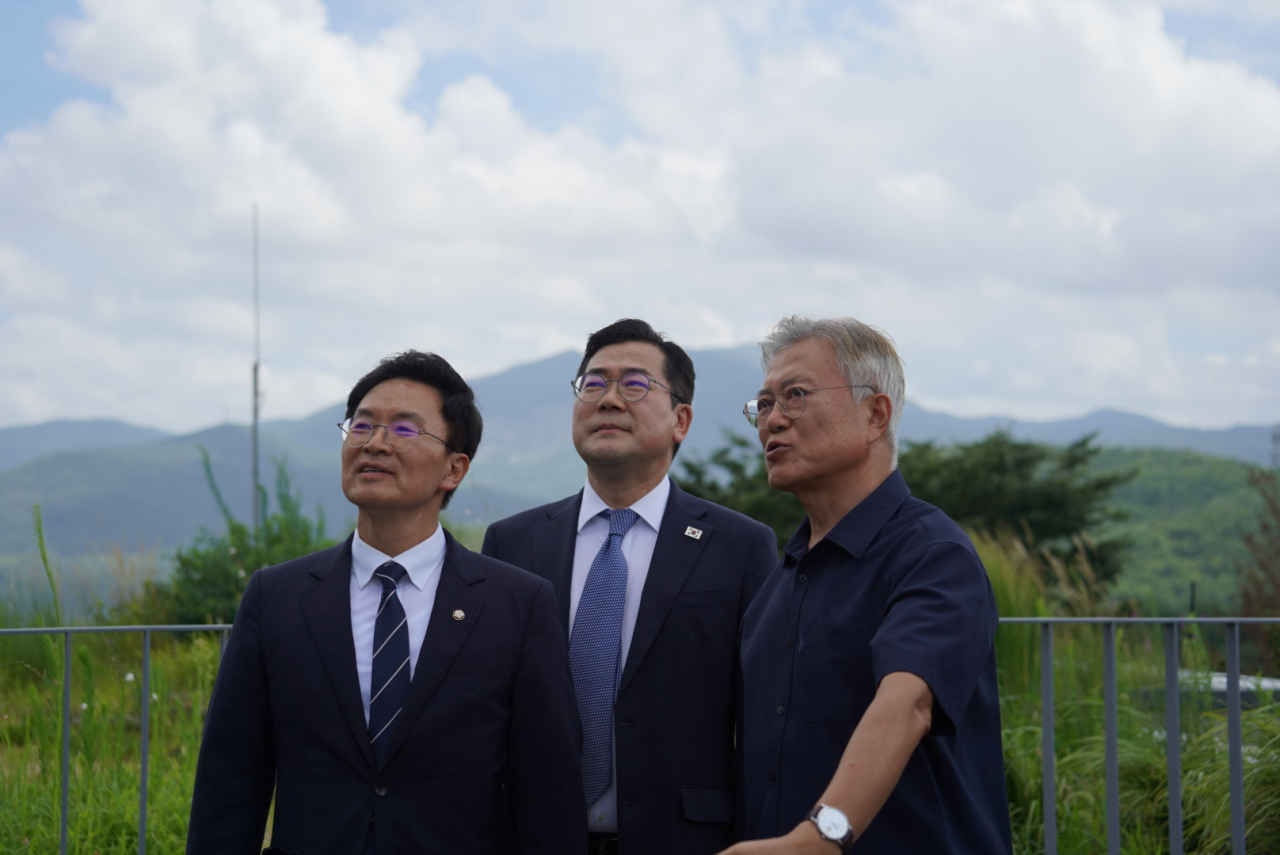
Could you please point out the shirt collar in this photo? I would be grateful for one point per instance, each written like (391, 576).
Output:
(421, 562)
(650, 507)
(859, 527)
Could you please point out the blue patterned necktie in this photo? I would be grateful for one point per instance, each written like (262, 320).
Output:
(390, 683)
(595, 652)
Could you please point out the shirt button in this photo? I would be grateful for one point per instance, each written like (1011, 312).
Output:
(380, 790)
(802, 578)
(600, 817)
(772, 777)
(782, 708)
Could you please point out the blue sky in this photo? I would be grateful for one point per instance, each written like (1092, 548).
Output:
(1053, 205)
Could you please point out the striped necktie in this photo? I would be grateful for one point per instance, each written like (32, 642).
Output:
(390, 683)
(595, 652)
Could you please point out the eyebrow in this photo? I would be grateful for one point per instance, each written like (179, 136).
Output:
(403, 415)
(622, 372)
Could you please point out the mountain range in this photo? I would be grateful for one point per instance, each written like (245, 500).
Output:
(106, 483)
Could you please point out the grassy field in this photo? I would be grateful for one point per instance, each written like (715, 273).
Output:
(106, 703)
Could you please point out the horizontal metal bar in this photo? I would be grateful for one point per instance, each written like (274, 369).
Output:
(223, 627)
(183, 627)
(1133, 620)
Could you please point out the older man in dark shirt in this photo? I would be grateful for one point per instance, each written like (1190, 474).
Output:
(872, 720)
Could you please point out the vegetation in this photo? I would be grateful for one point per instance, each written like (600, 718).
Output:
(209, 576)
(1053, 497)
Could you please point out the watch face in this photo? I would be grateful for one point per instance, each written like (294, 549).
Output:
(832, 823)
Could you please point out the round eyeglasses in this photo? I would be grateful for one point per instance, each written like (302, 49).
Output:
(631, 387)
(400, 435)
(758, 410)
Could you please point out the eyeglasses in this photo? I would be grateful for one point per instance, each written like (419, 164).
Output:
(400, 435)
(758, 410)
(631, 387)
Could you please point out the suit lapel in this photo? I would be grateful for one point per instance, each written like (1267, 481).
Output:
(554, 542)
(326, 607)
(674, 556)
(445, 636)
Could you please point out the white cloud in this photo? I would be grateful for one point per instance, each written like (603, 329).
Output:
(1032, 196)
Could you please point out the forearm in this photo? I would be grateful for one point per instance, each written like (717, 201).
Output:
(873, 761)
(877, 753)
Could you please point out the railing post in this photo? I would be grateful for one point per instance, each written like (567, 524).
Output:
(146, 740)
(66, 739)
(1235, 739)
(1173, 735)
(1111, 730)
(1048, 784)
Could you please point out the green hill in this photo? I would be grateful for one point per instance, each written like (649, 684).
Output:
(1187, 512)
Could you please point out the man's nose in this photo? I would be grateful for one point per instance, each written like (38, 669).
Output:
(776, 420)
(382, 444)
(612, 398)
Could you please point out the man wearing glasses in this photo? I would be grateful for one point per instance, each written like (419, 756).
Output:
(651, 584)
(872, 720)
(397, 693)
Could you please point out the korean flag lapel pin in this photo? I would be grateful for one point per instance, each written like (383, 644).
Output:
(695, 533)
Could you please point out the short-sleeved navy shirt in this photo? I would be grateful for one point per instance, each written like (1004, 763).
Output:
(895, 586)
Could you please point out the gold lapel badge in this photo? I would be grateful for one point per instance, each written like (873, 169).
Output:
(459, 614)
(695, 533)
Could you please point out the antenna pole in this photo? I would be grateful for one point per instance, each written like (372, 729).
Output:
(257, 361)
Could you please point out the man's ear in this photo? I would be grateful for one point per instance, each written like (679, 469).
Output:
(881, 415)
(459, 465)
(684, 419)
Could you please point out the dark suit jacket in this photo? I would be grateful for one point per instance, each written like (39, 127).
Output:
(675, 716)
(491, 701)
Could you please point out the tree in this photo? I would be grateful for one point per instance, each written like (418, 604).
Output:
(209, 576)
(1260, 578)
(1047, 496)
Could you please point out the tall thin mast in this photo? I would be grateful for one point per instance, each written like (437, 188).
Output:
(257, 398)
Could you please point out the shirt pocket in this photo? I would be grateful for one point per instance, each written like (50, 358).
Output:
(836, 680)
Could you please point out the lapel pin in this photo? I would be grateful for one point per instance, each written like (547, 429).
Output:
(695, 533)
(459, 614)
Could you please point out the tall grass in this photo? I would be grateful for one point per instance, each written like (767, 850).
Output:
(1035, 585)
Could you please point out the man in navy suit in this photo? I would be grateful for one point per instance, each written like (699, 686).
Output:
(652, 584)
(398, 693)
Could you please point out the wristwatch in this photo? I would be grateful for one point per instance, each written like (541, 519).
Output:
(832, 825)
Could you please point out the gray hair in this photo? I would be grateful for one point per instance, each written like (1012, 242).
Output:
(867, 356)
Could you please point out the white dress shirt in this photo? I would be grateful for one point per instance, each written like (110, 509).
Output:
(637, 547)
(417, 593)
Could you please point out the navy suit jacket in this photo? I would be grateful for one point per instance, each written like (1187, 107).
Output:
(674, 720)
(490, 706)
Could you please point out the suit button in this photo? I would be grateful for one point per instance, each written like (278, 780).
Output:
(782, 708)
(379, 790)
(773, 777)
(790, 643)
(802, 578)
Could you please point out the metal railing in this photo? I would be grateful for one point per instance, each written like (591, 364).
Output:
(1172, 695)
(65, 752)
(1173, 723)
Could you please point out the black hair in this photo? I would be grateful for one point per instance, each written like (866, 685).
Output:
(676, 364)
(458, 402)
